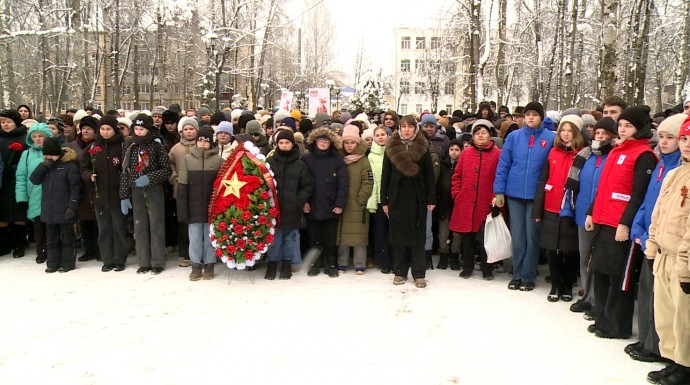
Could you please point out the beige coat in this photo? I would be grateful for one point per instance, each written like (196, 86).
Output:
(669, 232)
(176, 155)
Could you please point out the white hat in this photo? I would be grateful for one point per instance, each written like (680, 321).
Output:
(79, 115)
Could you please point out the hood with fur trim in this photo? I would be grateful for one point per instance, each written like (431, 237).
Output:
(336, 142)
(68, 155)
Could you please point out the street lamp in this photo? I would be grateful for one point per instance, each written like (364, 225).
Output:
(337, 98)
(330, 84)
(299, 103)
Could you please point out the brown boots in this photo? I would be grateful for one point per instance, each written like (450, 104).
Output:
(196, 273)
(208, 270)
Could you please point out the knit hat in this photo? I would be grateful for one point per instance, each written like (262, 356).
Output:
(672, 124)
(345, 116)
(187, 121)
(175, 108)
(336, 127)
(158, 110)
(481, 123)
(351, 132)
(536, 107)
(368, 133)
(225, 127)
(143, 120)
(280, 115)
(146, 112)
(79, 115)
(321, 119)
(235, 114)
(58, 123)
(217, 117)
(574, 119)
(88, 121)
(588, 119)
(607, 124)
(170, 116)
(108, 120)
(362, 117)
(126, 121)
(296, 114)
(51, 146)
(639, 117)
(253, 127)
(428, 118)
(285, 134)
(202, 111)
(206, 132)
(289, 122)
(685, 127)
(572, 111)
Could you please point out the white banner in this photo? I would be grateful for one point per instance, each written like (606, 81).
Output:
(319, 101)
(286, 101)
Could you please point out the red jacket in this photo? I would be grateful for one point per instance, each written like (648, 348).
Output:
(560, 161)
(616, 182)
(472, 187)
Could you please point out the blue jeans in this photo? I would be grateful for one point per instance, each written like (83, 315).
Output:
(525, 234)
(200, 248)
(284, 245)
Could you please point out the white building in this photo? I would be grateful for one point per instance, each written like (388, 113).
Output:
(425, 71)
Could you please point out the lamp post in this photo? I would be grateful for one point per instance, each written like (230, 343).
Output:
(299, 103)
(337, 98)
(330, 84)
(214, 58)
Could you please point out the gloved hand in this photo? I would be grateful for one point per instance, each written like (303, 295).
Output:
(650, 263)
(685, 286)
(499, 200)
(70, 213)
(48, 163)
(142, 181)
(589, 223)
(622, 233)
(495, 211)
(125, 206)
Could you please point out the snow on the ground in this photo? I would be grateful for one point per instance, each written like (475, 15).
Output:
(90, 327)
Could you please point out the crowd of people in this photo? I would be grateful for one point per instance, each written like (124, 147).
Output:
(597, 195)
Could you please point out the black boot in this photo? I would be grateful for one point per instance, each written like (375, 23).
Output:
(286, 269)
(442, 261)
(429, 262)
(271, 268)
(20, 240)
(5, 241)
(680, 377)
(454, 259)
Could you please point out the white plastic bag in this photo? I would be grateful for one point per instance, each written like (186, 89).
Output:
(497, 240)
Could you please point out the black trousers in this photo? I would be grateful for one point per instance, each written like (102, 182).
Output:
(563, 270)
(60, 246)
(112, 235)
(322, 235)
(645, 310)
(39, 236)
(183, 240)
(408, 258)
(470, 243)
(382, 249)
(613, 307)
(89, 238)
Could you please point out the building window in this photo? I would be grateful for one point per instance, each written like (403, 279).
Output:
(419, 88)
(144, 105)
(98, 90)
(449, 88)
(421, 65)
(420, 42)
(126, 106)
(450, 67)
(418, 108)
(144, 71)
(449, 107)
(405, 42)
(403, 109)
(435, 42)
(404, 87)
(405, 65)
(176, 89)
(144, 88)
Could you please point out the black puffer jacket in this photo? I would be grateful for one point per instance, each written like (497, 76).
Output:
(198, 171)
(294, 183)
(104, 158)
(331, 180)
(444, 201)
(63, 182)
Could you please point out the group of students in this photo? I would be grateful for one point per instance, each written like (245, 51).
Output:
(592, 194)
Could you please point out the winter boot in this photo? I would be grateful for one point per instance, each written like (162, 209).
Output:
(195, 275)
(454, 259)
(286, 269)
(5, 241)
(208, 271)
(20, 240)
(442, 261)
(429, 261)
(271, 270)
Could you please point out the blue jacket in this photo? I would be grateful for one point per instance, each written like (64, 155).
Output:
(589, 181)
(523, 156)
(643, 218)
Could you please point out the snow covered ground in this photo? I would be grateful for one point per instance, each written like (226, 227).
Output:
(89, 327)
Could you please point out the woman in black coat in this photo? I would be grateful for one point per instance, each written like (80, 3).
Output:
(12, 213)
(407, 193)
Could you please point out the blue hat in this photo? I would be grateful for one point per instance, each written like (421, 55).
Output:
(549, 124)
(428, 118)
(225, 127)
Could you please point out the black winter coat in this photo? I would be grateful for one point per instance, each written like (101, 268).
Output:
(198, 171)
(61, 187)
(10, 210)
(294, 184)
(86, 211)
(106, 163)
(331, 182)
(444, 206)
(407, 187)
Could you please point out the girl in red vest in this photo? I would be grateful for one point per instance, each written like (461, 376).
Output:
(621, 191)
(554, 210)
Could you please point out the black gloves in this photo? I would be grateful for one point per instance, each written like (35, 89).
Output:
(49, 163)
(685, 286)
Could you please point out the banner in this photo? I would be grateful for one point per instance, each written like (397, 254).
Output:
(286, 101)
(319, 101)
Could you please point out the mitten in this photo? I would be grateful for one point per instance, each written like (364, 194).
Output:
(142, 181)
(48, 163)
(499, 200)
(125, 205)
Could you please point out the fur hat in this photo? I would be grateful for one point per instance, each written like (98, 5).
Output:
(672, 124)
(574, 119)
(536, 107)
(253, 127)
(225, 127)
(108, 120)
(607, 124)
(639, 117)
(285, 134)
(187, 121)
(143, 120)
(170, 116)
(158, 110)
(12, 114)
(88, 121)
(51, 146)
(126, 121)
(350, 132)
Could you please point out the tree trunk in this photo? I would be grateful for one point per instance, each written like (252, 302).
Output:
(501, 78)
(608, 58)
(569, 99)
(684, 61)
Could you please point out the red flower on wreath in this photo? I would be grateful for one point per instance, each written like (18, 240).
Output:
(260, 207)
(264, 195)
(231, 249)
(250, 242)
(246, 215)
(219, 253)
(257, 233)
(241, 243)
(260, 246)
(95, 150)
(233, 221)
(16, 146)
(263, 220)
(273, 212)
(239, 229)
(269, 238)
(222, 226)
(249, 255)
